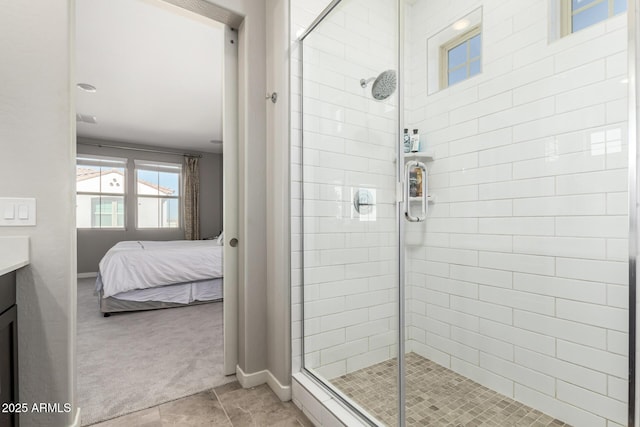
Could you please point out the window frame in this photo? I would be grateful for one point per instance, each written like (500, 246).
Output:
(102, 161)
(153, 166)
(452, 44)
(567, 13)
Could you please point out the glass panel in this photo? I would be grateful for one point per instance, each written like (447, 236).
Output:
(95, 211)
(350, 218)
(169, 183)
(169, 213)
(590, 16)
(510, 281)
(100, 179)
(474, 47)
(84, 210)
(474, 68)
(112, 180)
(458, 55)
(577, 4)
(147, 182)
(619, 6)
(88, 179)
(457, 75)
(148, 212)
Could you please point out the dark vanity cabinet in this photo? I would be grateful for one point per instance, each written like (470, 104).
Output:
(8, 350)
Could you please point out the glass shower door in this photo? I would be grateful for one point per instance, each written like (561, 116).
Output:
(349, 213)
(517, 282)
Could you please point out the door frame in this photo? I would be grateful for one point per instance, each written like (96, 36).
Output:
(230, 192)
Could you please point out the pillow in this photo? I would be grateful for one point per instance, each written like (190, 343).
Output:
(220, 239)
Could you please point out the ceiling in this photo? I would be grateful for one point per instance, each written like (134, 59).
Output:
(158, 73)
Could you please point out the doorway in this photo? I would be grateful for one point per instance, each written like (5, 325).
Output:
(228, 191)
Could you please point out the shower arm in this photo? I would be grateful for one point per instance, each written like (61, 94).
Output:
(365, 82)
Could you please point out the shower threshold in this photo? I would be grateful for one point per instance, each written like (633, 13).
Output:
(436, 396)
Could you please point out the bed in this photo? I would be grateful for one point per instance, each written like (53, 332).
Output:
(146, 275)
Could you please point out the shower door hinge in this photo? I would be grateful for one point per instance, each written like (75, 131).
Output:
(399, 192)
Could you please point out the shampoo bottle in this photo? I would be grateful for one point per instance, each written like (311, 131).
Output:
(415, 141)
(406, 140)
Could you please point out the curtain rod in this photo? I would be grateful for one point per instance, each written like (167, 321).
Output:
(149, 150)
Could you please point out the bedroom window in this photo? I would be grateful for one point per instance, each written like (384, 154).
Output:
(580, 14)
(100, 192)
(158, 194)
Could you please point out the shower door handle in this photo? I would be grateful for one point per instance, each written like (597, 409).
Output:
(407, 205)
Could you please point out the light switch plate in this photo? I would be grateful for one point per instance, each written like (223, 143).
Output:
(17, 212)
(9, 211)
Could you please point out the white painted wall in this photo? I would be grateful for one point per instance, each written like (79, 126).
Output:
(518, 279)
(37, 160)
(278, 196)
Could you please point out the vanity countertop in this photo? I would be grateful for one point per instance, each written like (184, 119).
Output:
(14, 253)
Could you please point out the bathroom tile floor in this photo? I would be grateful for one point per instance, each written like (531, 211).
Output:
(436, 396)
(229, 405)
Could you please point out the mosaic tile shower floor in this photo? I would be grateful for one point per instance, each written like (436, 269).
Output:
(436, 396)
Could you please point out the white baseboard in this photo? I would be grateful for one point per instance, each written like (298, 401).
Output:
(282, 391)
(87, 275)
(76, 419)
(257, 378)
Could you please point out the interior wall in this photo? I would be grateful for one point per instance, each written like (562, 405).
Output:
(278, 246)
(37, 132)
(350, 258)
(94, 243)
(518, 279)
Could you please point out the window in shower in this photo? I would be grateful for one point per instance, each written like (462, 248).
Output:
(454, 54)
(461, 57)
(580, 14)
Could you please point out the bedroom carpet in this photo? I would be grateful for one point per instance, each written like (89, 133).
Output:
(132, 361)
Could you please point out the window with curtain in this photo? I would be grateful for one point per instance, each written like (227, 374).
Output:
(100, 192)
(158, 194)
(191, 174)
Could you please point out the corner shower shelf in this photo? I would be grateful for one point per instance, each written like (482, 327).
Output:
(425, 156)
(420, 155)
(430, 198)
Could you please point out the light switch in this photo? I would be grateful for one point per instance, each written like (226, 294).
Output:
(17, 212)
(9, 211)
(23, 212)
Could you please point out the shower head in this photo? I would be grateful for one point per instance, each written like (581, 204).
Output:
(383, 86)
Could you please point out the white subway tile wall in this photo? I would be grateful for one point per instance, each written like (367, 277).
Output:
(350, 259)
(518, 278)
(529, 296)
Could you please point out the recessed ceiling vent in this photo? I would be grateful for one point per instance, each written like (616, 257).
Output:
(86, 118)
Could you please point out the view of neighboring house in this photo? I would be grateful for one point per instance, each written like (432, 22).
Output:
(101, 200)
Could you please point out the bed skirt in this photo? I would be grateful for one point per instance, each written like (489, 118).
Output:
(114, 305)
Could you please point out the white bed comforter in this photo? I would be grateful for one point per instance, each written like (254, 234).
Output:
(144, 264)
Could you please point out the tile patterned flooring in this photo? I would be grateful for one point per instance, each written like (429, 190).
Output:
(229, 405)
(436, 396)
